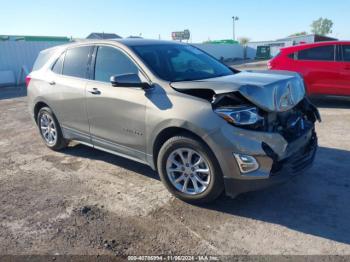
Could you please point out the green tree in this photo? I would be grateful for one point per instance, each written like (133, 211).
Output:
(299, 33)
(322, 26)
(243, 40)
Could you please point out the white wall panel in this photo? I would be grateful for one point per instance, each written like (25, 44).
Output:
(222, 50)
(17, 55)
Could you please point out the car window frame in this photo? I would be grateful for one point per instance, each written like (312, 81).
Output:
(320, 61)
(65, 52)
(293, 55)
(341, 53)
(55, 62)
(92, 64)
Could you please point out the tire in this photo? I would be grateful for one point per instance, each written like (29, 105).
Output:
(50, 129)
(174, 175)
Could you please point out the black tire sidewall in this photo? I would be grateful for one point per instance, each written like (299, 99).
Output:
(216, 183)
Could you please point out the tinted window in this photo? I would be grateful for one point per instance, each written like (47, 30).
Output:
(76, 61)
(175, 62)
(346, 53)
(185, 61)
(110, 62)
(322, 53)
(57, 67)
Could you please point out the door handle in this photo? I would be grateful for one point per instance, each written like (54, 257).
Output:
(52, 83)
(94, 91)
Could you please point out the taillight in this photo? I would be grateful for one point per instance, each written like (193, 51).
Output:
(27, 80)
(269, 65)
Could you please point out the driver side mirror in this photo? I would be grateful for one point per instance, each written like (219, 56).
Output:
(128, 80)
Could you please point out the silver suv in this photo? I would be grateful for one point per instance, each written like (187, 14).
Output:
(206, 128)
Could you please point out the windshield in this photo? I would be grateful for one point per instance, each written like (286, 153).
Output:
(176, 62)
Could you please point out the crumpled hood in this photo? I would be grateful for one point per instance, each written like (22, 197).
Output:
(274, 91)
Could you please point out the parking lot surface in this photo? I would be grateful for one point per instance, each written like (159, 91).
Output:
(84, 201)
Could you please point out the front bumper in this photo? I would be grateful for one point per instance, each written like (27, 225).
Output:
(281, 171)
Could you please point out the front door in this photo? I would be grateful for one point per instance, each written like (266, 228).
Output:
(116, 114)
(344, 70)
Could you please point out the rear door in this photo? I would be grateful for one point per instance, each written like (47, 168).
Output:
(68, 80)
(344, 61)
(116, 114)
(319, 68)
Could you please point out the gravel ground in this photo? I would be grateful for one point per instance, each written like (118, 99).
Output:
(84, 201)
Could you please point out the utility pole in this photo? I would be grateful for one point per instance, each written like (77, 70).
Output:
(234, 18)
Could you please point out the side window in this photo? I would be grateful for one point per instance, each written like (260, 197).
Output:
(76, 62)
(346, 53)
(321, 53)
(151, 57)
(110, 62)
(293, 56)
(57, 67)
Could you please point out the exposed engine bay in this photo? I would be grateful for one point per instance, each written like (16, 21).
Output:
(291, 124)
(267, 101)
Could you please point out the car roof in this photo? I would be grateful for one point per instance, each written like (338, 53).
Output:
(126, 42)
(306, 46)
(142, 42)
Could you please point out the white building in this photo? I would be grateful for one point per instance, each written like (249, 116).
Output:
(276, 45)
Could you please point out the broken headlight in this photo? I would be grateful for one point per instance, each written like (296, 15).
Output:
(240, 115)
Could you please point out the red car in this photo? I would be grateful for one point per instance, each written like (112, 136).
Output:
(325, 66)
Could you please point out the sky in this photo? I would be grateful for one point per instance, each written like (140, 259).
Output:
(206, 19)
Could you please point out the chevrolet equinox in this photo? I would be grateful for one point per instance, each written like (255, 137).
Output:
(206, 128)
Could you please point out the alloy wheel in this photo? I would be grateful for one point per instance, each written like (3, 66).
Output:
(188, 171)
(48, 129)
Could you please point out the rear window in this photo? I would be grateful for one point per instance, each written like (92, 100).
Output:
(321, 53)
(41, 60)
(57, 67)
(76, 61)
